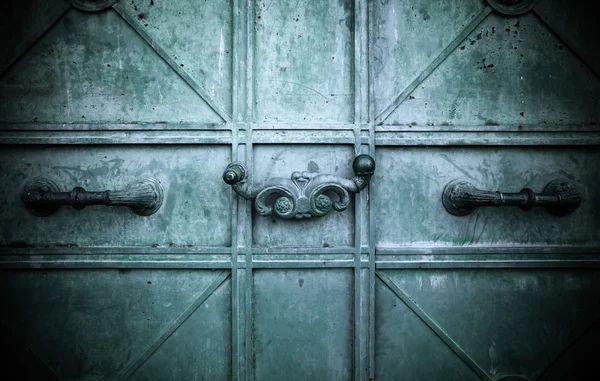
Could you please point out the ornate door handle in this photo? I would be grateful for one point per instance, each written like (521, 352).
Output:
(559, 198)
(304, 195)
(42, 197)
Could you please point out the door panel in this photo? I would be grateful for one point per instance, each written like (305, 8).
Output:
(195, 36)
(408, 36)
(513, 72)
(417, 177)
(203, 340)
(393, 287)
(94, 68)
(97, 168)
(311, 330)
(506, 321)
(413, 351)
(98, 324)
(304, 61)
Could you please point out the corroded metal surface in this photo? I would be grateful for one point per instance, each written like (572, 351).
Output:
(42, 197)
(305, 194)
(391, 288)
(560, 198)
(92, 5)
(512, 7)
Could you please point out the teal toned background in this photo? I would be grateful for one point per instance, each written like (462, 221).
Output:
(394, 287)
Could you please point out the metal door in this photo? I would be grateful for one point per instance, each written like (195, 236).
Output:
(153, 100)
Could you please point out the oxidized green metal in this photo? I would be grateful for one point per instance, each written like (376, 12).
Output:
(92, 5)
(304, 195)
(391, 288)
(42, 197)
(560, 198)
(512, 7)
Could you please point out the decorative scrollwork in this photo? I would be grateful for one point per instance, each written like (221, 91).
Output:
(304, 194)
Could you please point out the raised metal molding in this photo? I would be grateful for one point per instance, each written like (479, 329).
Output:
(560, 198)
(92, 5)
(42, 197)
(304, 195)
(512, 7)
(486, 138)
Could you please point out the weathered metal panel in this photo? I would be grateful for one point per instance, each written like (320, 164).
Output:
(575, 22)
(198, 34)
(94, 68)
(509, 322)
(509, 71)
(304, 61)
(406, 349)
(182, 221)
(177, 90)
(94, 324)
(408, 36)
(23, 22)
(410, 181)
(309, 334)
(200, 349)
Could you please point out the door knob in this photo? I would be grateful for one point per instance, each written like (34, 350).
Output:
(42, 197)
(558, 197)
(305, 194)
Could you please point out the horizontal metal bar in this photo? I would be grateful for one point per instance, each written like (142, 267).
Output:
(116, 137)
(491, 127)
(154, 133)
(302, 264)
(213, 262)
(302, 250)
(293, 126)
(485, 264)
(303, 257)
(487, 250)
(443, 138)
(139, 126)
(304, 126)
(115, 263)
(303, 137)
(74, 249)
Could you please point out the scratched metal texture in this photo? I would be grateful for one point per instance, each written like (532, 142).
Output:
(392, 288)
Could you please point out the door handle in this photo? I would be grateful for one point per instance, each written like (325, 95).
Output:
(42, 197)
(558, 197)
(304, 195)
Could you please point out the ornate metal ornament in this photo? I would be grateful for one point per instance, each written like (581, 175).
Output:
(304, 194)
(560, 198)
(92, 5)
(42, 197)
(512, 7)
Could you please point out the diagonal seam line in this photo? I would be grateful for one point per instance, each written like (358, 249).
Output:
(434, 327)
(166, 55)
(32, 352)
(128, 372)
(434, 64)
(580, 54)
(28, 45)
(572, 345)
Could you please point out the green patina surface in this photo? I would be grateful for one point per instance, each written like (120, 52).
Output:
(391, 288)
